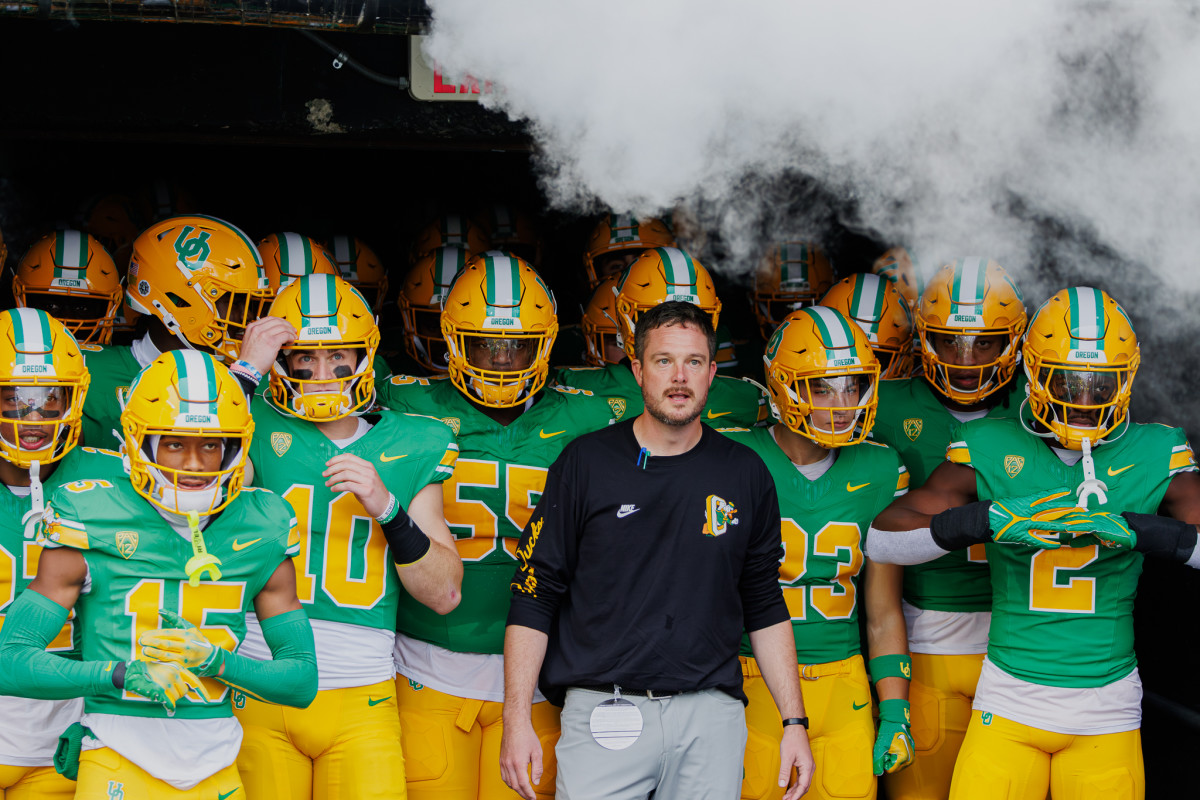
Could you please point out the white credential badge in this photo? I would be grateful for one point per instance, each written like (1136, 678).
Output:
(617, 723)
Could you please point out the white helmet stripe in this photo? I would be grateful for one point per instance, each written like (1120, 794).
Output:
(74, 249)
(834, 326)
(679, 270)
(1087, 322)
(969, 280)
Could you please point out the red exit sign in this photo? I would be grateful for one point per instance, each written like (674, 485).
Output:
(428, 83)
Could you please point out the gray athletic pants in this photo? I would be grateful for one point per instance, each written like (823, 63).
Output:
(691, 748)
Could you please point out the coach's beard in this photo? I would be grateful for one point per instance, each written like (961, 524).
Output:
(661, 409)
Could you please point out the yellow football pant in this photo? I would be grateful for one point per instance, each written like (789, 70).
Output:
(941, 693)
(837, 699)
(105, 774)
(345, 745)
(34, 783)
(452, 745)
(1005, 760)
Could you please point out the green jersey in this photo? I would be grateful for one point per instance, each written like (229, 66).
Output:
(136, 565)
(344, 572)
(111, 368)
(913, 420)
(498, 480)
(825, 523)
(731, 402)
(20, 553)
(1064, 617)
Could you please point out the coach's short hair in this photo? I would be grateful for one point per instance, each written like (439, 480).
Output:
(671, 313)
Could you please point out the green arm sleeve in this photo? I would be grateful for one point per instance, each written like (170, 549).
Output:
(31, 623)
(289, 679)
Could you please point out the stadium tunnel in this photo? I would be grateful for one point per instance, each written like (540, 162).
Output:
(321, 117)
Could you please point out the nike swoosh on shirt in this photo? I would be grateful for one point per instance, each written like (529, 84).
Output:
(1112, 471)
(542, 433)
(372, 702)
(384, 457)
(240, 546)
(850, 488)
(711, 415)
(221, 796)
(857, 706)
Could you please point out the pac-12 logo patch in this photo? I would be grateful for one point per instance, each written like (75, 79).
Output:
(617, 404)
(718, 515)
(912, 427)
(127, 542)
(1013, 464)
(280, 442)
(454, 422)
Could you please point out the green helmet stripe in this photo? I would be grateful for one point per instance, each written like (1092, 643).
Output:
(622, 228)
(867, 302)
(31, 332)
(1087, 318)
(295, 254)
(679, 268)
(197, 382)
(70, 251)
(318, 294)
(503, 286)
(835, 331)
(794, 258)
(970, 279)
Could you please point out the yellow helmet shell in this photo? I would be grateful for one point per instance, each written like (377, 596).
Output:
(660, 275)
(288, 256)
(793, 274)
(425, 288)
(71, 267)
(620, 232)
(878, 307)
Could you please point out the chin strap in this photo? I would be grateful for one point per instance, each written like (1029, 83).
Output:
(201, 561)
(1091, 487)
(37, 497)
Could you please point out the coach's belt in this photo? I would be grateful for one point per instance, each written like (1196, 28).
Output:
(653, 694)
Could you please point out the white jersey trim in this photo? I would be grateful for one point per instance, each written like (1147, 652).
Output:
(180, 752)
(946, 633)
(348, 656)
(477, 676)
(30, 730)
(1114, 708)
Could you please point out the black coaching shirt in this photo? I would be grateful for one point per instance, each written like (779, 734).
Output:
(645, 574)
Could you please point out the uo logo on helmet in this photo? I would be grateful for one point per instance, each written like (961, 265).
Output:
(718, 515)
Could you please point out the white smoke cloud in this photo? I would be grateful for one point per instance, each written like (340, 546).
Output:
(1061, 138)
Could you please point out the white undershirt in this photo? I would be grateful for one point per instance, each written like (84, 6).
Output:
(1114, 708)
(811, 471)
(966, 416)
(144, 350)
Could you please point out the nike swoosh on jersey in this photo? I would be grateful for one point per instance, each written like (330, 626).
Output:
(372, 702)
(542, 433)
(711, 415)
(240, 546)
(384, 457)
(1112, 472)
(858, 706)
(230, 793)
(851, 488)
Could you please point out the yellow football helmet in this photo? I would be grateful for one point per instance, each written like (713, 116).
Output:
(899, 267)
(967, 300)
(361, 268)
(41, 372)
(1081, 355)
(819, 364)
(70, 275)
(499, 321)
(451, 229)
(513, 231)
(879, 309)
(329, 314)
(793, 274)
(622, 233)
(112, 219)
(288, 256)
(600, 323)
(202, 277)
(421, 296)
(658, 276)
(186, 393)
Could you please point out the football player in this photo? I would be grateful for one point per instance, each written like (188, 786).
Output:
(969, 326)
(898, 266)
(831, 481)
(512, 230)
(43, 382)
(1058, 704)
(793, 274)
(877, 306)
(163, 566)
(659, 275)
(70, 275)
(198, 281)
(617, 241)
(499, 325)
(450, 230)
(421, 295)
(361, 268)
(364, 485)
(288, 256)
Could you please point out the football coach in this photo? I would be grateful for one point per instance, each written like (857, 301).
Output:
(655, 544)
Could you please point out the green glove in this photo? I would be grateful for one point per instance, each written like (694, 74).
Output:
(163, 683)
(1111, 530)
(182, 643)
(1016, 520)
(894, 748)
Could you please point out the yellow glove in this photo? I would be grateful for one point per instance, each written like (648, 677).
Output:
(163, 683)
(182, 643)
